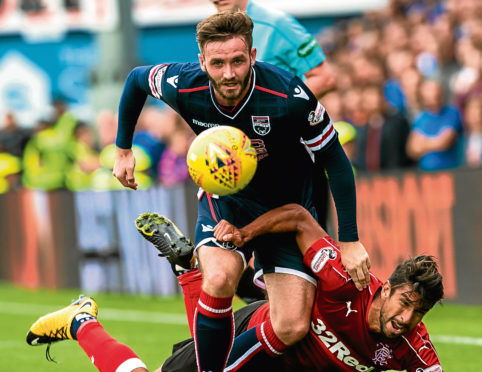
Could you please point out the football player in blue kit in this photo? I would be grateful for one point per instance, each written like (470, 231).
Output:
(282, 41)
(276, 110)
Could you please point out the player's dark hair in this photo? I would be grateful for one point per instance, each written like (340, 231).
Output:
(421, 273)
(224, 26)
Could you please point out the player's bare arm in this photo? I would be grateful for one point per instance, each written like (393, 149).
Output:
(293, 217)
(290, 217)
(124, 165)
(321, 79)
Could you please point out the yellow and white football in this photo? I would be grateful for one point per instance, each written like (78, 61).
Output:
(221, 160)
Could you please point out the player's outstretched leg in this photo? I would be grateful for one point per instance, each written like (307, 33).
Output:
(171, 243)
(78, 321)
(167, 238)
(57, 326)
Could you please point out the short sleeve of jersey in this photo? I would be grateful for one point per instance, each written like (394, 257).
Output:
(163, 82)
(324, 259)
(420, 355)
(283, 41)
(317, 130)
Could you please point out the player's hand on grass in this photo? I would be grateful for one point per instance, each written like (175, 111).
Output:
(227, 232)
(354, 258)
(124, 165)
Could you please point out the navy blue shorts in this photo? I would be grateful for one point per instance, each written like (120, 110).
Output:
(273, 253)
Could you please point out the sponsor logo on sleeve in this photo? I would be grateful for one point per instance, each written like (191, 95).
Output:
(307, 47)
(316, 117)
(158, 79)
(321, 258)
(300, 93)
(261, 125)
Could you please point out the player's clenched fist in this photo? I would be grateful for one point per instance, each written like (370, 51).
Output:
(124, 165)
(227, 232)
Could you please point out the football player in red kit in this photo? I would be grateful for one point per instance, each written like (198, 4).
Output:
(376, 329)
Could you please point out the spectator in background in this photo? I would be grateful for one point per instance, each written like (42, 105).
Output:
(473, 122)
(152, 132)
(13, 138)
(433, 138)
(106, 127)
(50, 154)
(86, 159)
(410, 82)
(353, 113)
(173, 168)
(381, 140)
(468, 57)
(398, 61)
(102, 179)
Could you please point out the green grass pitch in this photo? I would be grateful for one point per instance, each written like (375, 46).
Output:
(150, 325)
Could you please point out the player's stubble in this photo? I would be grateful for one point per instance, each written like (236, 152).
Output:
(234, 96)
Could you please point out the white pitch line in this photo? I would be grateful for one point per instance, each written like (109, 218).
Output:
(17, 308)
(462, 340)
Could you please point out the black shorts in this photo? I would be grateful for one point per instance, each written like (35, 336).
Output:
(183, 358)
(273, 253)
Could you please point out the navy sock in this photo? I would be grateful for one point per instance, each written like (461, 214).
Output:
(79, 319)
(213, 332)
(255, 349)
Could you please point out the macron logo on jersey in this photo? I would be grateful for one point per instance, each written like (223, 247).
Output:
(300, 93)
(173, 80)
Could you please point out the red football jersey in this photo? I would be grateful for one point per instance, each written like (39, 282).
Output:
(339, 338)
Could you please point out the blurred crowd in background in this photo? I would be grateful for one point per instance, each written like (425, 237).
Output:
(409, 93)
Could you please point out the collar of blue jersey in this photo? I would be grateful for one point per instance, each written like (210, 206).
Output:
(243, 102)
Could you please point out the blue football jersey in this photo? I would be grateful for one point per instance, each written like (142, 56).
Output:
(279, 114)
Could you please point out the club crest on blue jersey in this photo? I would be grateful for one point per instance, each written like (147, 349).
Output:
(261, 125)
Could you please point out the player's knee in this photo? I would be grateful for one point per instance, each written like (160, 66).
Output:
(219, 284)
(291, 330)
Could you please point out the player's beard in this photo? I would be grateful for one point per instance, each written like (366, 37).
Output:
(384, 328)
(234, 96)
